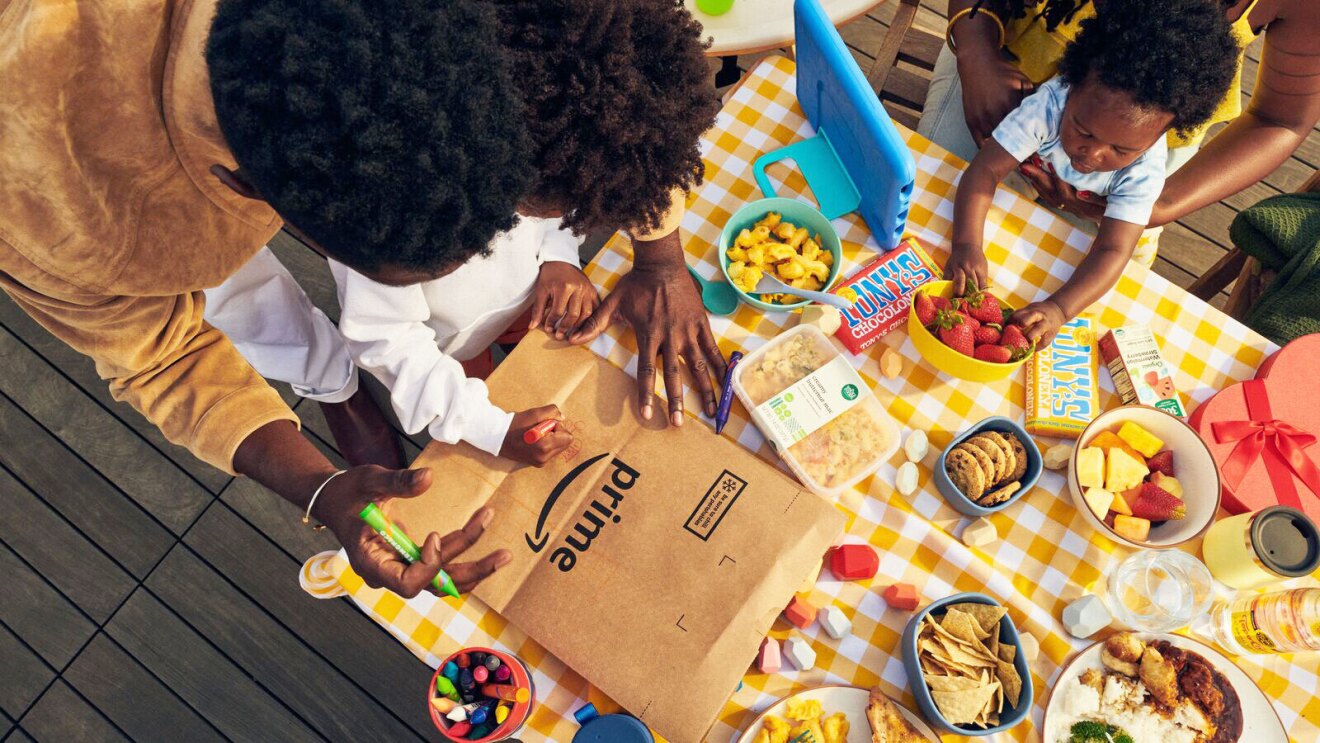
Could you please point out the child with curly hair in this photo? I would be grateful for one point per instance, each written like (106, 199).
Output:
(1136, 70)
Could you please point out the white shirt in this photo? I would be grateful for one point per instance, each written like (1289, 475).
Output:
(1033, 128)
(412, 338)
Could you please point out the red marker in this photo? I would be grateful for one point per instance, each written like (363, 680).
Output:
(539, 431)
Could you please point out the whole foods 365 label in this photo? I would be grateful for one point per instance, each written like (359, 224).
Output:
(809, 403)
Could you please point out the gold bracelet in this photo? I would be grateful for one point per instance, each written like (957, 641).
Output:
(965, 12)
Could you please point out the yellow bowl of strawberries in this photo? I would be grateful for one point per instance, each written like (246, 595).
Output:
(966, 338)
(1144, 478)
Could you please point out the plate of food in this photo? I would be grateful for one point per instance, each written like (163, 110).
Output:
(838, 714)
(1135, 687)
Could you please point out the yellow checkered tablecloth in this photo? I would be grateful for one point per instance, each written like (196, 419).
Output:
(1046, 555)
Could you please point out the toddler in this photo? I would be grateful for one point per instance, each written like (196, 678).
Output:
(1134, 72)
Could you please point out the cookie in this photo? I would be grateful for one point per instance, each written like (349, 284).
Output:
(965, 472)
(1011, 458)
(992, 450)
(996, 497)
(983, 461)
(1019, 451)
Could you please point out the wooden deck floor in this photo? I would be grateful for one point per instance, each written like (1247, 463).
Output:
(149, 597)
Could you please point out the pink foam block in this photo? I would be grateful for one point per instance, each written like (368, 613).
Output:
(902, 596)
(854, 562)
(800, 613)
(769, 660)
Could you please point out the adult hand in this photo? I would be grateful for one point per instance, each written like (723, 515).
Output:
(563, 297)
(1040, 321)
(543, 449)
(661, 303)
(992, 85)
(1058, 193)
(966, 268)
(374, 560)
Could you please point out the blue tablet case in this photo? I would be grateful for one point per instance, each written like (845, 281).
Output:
(856, 161)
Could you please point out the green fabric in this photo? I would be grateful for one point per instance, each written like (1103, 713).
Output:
(1283, 233)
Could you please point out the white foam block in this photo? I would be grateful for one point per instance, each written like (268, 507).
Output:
(1086, 616)
(979, 533)
(916, 446)
(799, 651)
(1029, 646)
(836, 624)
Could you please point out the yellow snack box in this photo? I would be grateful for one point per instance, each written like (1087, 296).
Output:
(1063, 393)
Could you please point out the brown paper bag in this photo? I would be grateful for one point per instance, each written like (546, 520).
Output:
(651, 560)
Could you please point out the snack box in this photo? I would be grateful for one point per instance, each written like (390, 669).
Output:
(1063, 392)
(1140, 374)
(820, 416)
(880, 294)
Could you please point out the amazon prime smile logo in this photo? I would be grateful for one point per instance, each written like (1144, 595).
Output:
(602, 509)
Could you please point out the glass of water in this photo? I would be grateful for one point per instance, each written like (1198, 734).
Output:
(1159, 590)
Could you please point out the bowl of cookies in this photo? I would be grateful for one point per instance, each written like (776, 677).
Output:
(987, 467)
(788, 239)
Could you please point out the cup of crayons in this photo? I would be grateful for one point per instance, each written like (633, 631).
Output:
(479, 694)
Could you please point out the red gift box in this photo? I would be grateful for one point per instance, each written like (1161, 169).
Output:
(1262, 433)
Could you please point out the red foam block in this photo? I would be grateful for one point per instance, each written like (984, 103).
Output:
(854, 562)
(902, 596)
(800, 613)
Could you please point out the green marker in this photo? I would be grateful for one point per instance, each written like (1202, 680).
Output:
(406, 548)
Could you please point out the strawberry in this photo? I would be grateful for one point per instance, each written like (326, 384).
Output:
(1013, 338)
(968, 319)
(1162, 463)
(983, 306)
(994, 354)
(925, 308)
(954, 332)
(987, 334)
(942, 303)
(1157, 504)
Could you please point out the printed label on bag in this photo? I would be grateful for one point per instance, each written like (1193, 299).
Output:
(811, 402)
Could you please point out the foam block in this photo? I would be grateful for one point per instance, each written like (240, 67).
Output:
(854, 562)
(799, 651)
(1086, 616)
(800, 613)
(768, 660)
(836, 624)
(902, 596)
(1029, 646)
(809, 584)
(979, 533)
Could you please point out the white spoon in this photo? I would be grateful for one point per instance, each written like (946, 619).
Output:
(771, 285)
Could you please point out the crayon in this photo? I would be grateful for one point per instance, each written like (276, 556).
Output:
(503, 674)
(463, 661)
(492, 662)
(406, 547)
(480, 714)
(450, 671)
(501, 714)
(480, 674)
(459, 729)
(726, 393)
(478, 732)
(466, 681)
(507, 692)
(443, 704)
(444, 685)
(539, 431)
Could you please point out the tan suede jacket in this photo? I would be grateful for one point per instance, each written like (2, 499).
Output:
(111, 224)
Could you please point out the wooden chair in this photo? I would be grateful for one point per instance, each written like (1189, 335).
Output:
(903, 90)
(1247, 275)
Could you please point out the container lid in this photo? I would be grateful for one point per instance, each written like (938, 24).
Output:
(1286, 541)
(614, 729)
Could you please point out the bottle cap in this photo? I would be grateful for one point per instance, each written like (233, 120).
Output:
(614, 729)
(1285, 541)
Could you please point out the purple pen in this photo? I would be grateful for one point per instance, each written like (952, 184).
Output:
(726, 394)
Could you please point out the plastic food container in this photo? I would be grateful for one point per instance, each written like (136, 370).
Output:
(821, 417)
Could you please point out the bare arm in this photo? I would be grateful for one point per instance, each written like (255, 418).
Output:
(976, 191)
(992, 84)
(1282, 112)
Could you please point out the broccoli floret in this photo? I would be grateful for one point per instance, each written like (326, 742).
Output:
(1089, 731)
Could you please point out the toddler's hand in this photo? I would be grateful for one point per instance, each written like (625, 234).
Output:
(967, 268)
(543, 449)
(1040, 321)
(564, 298)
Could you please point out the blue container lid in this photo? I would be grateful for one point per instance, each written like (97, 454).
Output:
(614, 729)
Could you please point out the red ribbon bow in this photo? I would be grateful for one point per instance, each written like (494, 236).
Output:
(1280, 445)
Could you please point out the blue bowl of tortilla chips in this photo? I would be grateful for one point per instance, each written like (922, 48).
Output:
(947, 655)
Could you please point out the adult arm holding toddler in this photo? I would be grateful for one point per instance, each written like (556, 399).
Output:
(1100, 126)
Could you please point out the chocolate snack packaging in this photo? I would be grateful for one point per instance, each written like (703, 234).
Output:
(1062, 389)
(880, 293)
(643, 551)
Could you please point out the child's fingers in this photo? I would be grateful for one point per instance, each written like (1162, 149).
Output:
(558, 303)
(959, 280)
(538, 307)
(557, 441)
(572, 316)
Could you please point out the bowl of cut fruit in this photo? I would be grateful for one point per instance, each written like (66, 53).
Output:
(966, 337)
(1144, 478)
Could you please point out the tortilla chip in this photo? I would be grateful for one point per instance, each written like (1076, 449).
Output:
(1012, 682)
(962, 707)
(1008, 653)
(992, 644)
(976, 648)
(955, 654)
(986, 616)
(951, 683)
(961, 625)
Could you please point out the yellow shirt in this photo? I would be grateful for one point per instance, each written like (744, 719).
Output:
(1039, 50)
